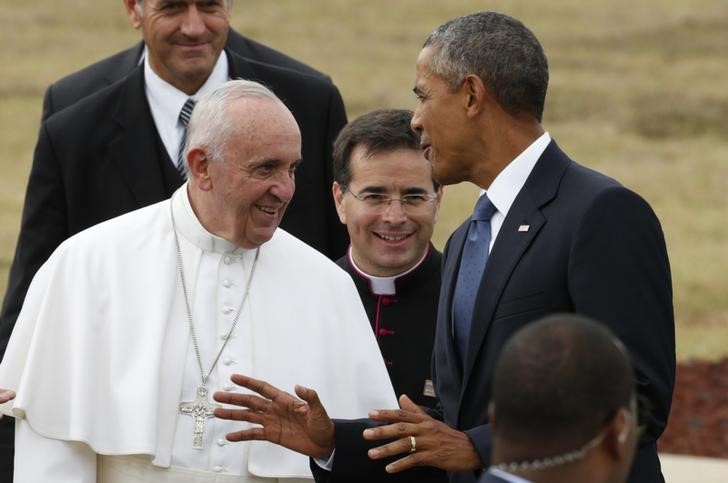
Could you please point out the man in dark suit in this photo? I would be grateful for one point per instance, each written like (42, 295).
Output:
(541, 436)
(113, 151)
(556, 236)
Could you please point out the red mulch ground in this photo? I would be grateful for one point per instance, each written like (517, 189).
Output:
(698, 423)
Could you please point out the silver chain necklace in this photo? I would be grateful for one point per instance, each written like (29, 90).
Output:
(201, 408)
(551, 461)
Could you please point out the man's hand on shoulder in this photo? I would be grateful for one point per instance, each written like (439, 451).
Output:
(423, 440)
(301, 425)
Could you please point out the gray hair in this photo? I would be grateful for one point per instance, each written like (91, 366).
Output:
(210, 125)
(500, 50)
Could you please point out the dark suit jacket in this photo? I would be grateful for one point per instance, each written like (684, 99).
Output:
(80, 84)
(591, 247)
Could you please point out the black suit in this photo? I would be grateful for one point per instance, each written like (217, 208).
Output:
(102, 157)
(80, 84)
(591, 246)
(404, 325)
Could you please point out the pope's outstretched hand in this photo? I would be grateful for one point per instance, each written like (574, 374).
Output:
(301, 425)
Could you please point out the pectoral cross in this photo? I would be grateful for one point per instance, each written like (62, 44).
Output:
(200, 409)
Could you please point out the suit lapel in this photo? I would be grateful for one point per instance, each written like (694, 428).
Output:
(510, 245)
(507, 251)
(136, 146)
(449, 278)
(242, 68)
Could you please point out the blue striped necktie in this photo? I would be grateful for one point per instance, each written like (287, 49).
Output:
(472, 267)
(184, 119)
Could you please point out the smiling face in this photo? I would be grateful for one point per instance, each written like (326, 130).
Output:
(243, 197)
(184, 38)
(442, 122)
(390, 240)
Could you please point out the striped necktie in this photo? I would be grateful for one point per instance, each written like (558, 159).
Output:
(472, 266)
(184, 119)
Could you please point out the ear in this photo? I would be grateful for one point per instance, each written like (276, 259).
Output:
(198, 165)
(475, 94)
(132, 11)
(617, 434)
(339, 201)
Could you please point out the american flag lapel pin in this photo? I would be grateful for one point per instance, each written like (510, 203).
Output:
(524, 228)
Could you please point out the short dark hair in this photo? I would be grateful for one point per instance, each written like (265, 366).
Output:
(500, 50)
(558, 382)
(377, 131)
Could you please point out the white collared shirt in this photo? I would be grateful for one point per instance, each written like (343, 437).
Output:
(506, 476)
(166, 101)
(509, 182)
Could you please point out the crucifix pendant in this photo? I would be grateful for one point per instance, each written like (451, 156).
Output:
(200, 409)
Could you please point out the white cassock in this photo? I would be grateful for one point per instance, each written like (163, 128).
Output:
(101, 356)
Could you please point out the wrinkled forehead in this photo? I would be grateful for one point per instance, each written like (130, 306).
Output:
(425, 75)
(263, 128)
(424, 59)
(262, 116)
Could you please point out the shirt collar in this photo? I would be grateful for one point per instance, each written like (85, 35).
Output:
(168, 99)
(189, 226)
(506, 476)
(506, 186)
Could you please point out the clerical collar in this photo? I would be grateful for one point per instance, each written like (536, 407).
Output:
(383, 285)
(192, 230)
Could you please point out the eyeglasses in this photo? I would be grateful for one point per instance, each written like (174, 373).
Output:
(411, 203)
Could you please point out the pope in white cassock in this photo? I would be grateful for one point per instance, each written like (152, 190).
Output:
(132, 325)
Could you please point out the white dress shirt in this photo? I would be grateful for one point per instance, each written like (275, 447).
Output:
(506, 186)
(166, 101)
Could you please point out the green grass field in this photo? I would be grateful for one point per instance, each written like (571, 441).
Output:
(634, 93)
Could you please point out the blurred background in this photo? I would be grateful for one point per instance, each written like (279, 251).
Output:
(634, 92)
